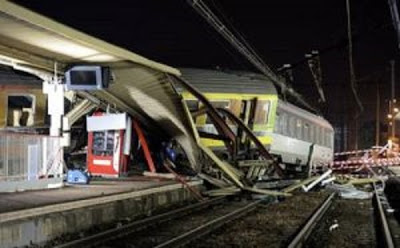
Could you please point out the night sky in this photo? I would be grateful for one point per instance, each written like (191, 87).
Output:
(171, 32)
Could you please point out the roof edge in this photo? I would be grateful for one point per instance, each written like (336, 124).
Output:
(34, 18)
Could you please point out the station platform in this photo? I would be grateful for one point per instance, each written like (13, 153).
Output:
(36, 217)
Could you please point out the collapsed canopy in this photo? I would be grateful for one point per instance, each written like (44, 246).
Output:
(141, 87)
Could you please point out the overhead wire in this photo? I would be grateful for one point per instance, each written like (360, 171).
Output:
(351, 64)
(245, 49)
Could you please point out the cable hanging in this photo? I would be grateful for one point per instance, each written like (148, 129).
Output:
(246, 50)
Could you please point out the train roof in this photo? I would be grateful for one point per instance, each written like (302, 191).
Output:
(214, 81)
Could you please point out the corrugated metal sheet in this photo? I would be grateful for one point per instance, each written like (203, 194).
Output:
(150, 94)
(213, 81)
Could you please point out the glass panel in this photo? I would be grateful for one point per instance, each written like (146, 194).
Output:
(284, 124)
(299, 129)
(262, 110)
(292, 126)
(277, 122)
(218, 104)
(312, 138)
(306, 132)
(103, 142)
(193, 105)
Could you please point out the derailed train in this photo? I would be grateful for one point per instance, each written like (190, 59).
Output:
(296, 137)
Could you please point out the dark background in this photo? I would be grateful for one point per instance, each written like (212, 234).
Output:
(281, 32)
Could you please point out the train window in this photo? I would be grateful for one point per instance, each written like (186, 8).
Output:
(322, 136)
(193, 105)
(312, 138)
(218, 104)
(299, 129)
(262, 112)
(328, 138)
(306, 132)
(277, 121)
(284, 124)
(317, 134)
(292, 126)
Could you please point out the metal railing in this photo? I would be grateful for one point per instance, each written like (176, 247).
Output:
(26, 157)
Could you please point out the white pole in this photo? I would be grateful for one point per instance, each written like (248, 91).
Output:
(322, 177)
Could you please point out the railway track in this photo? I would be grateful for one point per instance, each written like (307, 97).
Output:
(121, 231)
(363, 236)
(178, 227)
(186, 225)
(302, 236)
(386, 235)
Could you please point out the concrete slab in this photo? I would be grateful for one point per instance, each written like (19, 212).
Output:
(40, 216)
(31, 199)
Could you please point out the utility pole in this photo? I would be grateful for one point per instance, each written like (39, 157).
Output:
(393, 108)
(377, 124)
(353, 86)
(314, 64)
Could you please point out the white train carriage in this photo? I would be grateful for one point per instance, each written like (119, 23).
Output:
(301, 137)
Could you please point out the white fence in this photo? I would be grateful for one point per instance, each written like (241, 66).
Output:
(29, 161)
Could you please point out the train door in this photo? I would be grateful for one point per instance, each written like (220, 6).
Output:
(247, 114)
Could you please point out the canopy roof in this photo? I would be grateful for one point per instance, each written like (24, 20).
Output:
(141, 87)
(47, 41)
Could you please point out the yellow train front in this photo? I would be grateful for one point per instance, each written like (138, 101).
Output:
(297, 138)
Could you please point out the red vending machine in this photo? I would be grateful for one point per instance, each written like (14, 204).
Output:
(108, 144)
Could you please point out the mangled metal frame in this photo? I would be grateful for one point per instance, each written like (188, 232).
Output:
(230, 140)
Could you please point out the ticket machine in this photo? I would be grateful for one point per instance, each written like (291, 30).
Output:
(109, 138)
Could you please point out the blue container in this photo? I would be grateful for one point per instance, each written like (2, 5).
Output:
(77, 177)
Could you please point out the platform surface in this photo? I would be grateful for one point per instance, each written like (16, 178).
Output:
(32, 199)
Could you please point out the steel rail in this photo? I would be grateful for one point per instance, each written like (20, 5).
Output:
(307, 229)
(388, 238)
(208, 227)
(129, 228)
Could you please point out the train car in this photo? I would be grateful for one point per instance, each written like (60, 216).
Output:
(295, 136)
